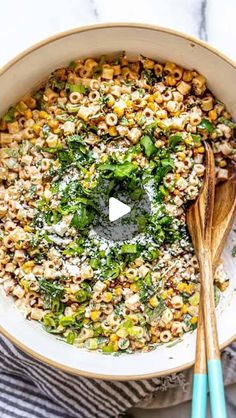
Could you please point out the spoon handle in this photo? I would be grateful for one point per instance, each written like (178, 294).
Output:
(215, 378)
(199, 395)
(216, 385)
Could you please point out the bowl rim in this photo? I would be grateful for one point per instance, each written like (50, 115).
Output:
(5, 68)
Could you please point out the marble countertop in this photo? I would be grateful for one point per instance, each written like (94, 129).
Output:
(25, 22)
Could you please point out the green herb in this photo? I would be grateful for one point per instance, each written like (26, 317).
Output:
(52, 290)
(49, 321)
(166, 165)
(56, 84)
(65, 321)
(146, 292)
(10, 115)
(158, 311)
(216, 295)
(70, 339)
(82, 295)
(66, 158)
(149, 129)
(174, 140)
(196, 139)
(129, 249)
(32, 190)
(72, 65)
(149, 147)
(234, 251)
(75, 248)
(82, 217)
(148, 76)
(107, 349)
(94, 263)
(50, 150)
(124, 121)
(78, 88)
(227, 122)
(206, 125)
(112, 273)
(153, 254)
(99, 68)
(119, 171)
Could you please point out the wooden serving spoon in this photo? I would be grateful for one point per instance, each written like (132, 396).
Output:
(200, 224)
(223, 217)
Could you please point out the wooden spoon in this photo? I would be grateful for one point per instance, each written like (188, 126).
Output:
(223, 217)
(199, 220)
(223, 214)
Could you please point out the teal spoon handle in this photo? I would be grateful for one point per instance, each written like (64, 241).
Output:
(199, 401)
(216, 387)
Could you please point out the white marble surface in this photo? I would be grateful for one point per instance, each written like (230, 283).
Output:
(24, 22)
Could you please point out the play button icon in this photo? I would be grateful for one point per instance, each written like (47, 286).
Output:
(117, 209)
(121, 211)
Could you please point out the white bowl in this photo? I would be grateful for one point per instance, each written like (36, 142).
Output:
(25, 72)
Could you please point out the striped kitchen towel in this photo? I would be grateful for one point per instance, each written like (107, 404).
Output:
(31, 389)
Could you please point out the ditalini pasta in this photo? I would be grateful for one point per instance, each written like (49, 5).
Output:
(93, 127)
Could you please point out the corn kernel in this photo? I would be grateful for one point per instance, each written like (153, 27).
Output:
(181, 286)
(154, 338)
(115, 346)
(152, 106)
(176, 192)
(177, 315)
(107, 297)
(113, 338)
(200, 150)
(212, 115)
(27, 228)
(44, 115)
(129, 103)
(23, 283)
(112, 131)
(181, 155)
(193, 320)
(104, 158)
(153, 301)
(164, 295)
(151, 98)
(28, 114)
(85, 321)
(134, 287)
(111, 101)
(28, 266)
(95, 315)
(170, 291)
(118, 291)
(119, 111)
(184, 309)
(143, 103)
(158, 97)
(56, 130)
(53, 123)
(36, 128)
(189, 288)
(222, 163)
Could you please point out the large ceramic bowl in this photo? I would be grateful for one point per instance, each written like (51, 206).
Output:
(20, 76)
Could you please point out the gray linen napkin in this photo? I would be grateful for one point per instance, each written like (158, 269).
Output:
(31, 389)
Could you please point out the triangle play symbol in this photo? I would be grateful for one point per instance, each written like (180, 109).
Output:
(117, 209)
